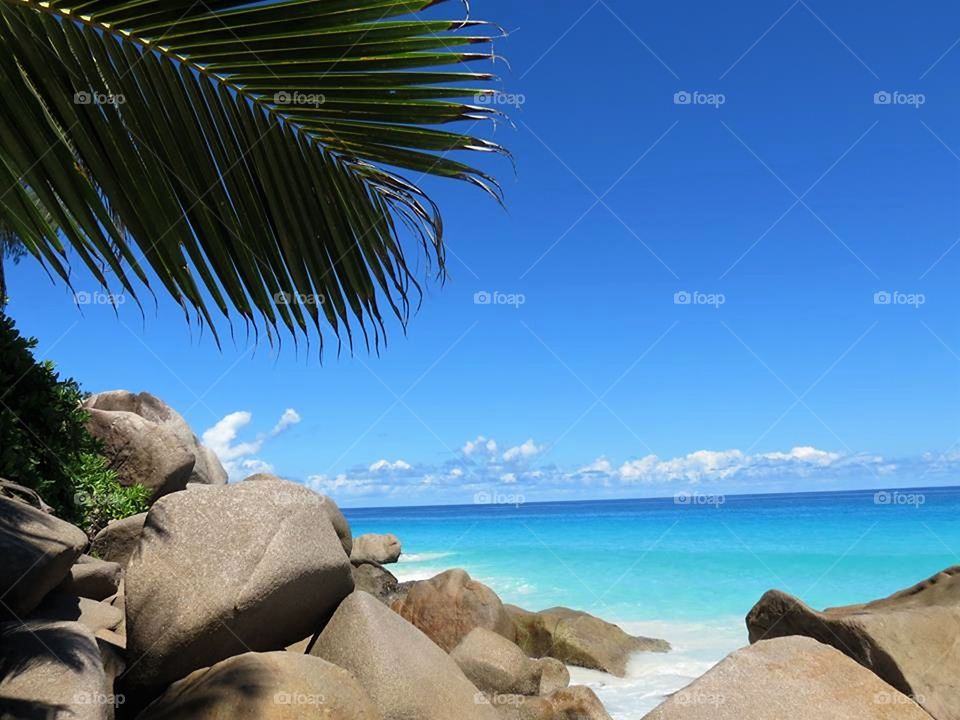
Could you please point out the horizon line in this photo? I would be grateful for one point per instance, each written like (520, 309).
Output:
(658, 498)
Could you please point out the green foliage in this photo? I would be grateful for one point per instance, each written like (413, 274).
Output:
(99, 498)
(44, 442)
(243, 153)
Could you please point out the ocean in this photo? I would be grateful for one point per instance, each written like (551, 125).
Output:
(686, 569)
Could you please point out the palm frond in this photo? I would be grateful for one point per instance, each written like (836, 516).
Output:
(247, 156)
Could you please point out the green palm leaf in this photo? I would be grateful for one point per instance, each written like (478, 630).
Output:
(239, 153)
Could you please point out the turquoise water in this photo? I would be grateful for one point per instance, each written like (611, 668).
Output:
(685, 572)
(641, 560)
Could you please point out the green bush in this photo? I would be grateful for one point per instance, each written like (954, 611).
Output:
(44, 442)
(99, 498)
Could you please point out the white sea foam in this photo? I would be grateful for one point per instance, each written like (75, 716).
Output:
(652, 676)
(411, 574)
(422, 557)
(508, 588)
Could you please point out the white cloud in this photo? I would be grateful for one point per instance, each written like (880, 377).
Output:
(220, 437)
(238, 457)
(528, 450)
(386, 465)
(289, 417)
(711, 465)
(481, 466)
(480, 446)
(600, 465)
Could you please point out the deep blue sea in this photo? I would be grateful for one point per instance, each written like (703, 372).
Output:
(686, 571)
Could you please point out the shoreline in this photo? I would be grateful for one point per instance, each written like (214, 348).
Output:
(696, 648)
(697, 645)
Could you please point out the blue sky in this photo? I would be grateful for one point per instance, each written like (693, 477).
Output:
(781, 200)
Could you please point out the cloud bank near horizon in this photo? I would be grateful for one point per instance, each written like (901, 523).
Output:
(483, 467)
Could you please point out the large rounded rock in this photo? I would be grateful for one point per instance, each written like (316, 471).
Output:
(574, 703)
(265, 686)
(335, 515)
(142, 452)
(909, 639)
(406, 675)
(495, 665)
(118, 540)
(206, 469)
(37, 551)
(383, 549)
(52, 670)
(578, 638)
(251, 566)
(340, 524)
(447, 607)
(788, 679)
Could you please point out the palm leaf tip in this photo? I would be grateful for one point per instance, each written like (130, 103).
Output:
(235, 151)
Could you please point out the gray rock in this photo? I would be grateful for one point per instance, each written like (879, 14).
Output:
(142, 452)
(553, 675)
(37, 552)
(406, 675)
(908, 639)
(384, 549)
(95, 616)
(787, 679)
(340, 524)
(52, 670)
(574, 703)
(207, 469)
(495, 665)
(300, 647)
(375, 579)
(336, 516)
(118, 540)
(265, 686)
(113, 660)
(447, 607)
(249, 566)
(578, 638)
(92, 578)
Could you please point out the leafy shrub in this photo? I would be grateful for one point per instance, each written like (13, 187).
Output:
(99, 498)
(44, 442)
